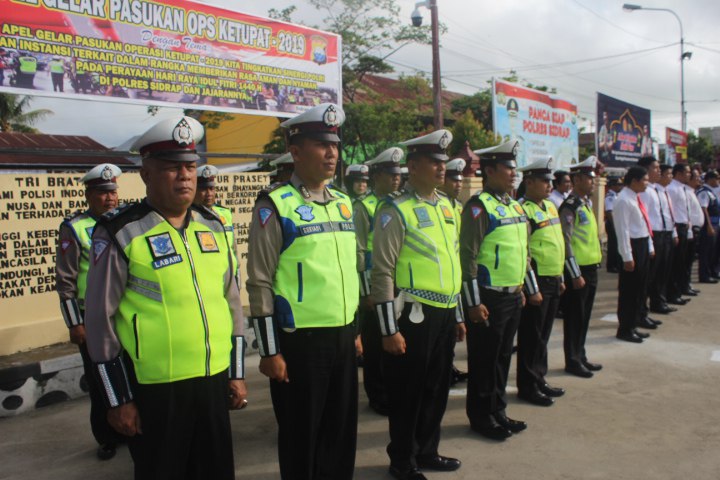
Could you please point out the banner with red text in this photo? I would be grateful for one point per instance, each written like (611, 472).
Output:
(545, 125)
(623, 132)
(677, 146)
(166, 53)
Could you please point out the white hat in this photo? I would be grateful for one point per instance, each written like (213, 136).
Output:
(173, 139)
(388, 161)
(504, 153)
(587, 166)
(454, 169)
(284, 159)
(432, 145)
(102, 177)
(206, 176)
(357, 172)
(321, 123)
(539, 169)
(404, 171)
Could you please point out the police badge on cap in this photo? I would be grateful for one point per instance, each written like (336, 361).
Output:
(182, 133)
(320, 123)
(102, 177)
(173, 140)
(432, 145)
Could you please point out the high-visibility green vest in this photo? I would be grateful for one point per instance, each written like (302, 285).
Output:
(585, 241)
(547, 245)
(28, 64)
(225, 215)
(502, 258)
(173, 320)
(316, 282)
(82, 224)
(458, 211)
(428, 266)
(370, 201)
(56, 66)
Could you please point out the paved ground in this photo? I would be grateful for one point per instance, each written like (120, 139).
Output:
(652, 413)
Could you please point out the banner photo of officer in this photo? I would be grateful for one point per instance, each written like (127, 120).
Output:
(167, 53)
(546, 126)
(677, 146)
(623, 132)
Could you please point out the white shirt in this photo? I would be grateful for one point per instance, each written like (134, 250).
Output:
(629, 223)
(558, 198)
(679, 199)
(658, 208)
(610, 200)
(705, 196)
(697, 217)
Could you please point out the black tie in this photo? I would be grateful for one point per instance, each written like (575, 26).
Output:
(662, 215)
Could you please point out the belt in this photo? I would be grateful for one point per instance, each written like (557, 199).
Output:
(515, 289)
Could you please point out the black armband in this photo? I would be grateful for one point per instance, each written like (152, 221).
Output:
(115, 382)
(266, 335)
(71, 312)
(386, 317)
(471, 293)
(237, 358)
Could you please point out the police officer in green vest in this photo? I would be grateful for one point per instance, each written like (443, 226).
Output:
(582, 259)
(205, 196)
(494, 256)
(415, 283)
(385, 179)
(26, 69)
(303, 290)
(547, 252)
(57, 73)
(164, 320)
(71, 268)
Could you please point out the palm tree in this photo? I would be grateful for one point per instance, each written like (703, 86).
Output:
(15, 115)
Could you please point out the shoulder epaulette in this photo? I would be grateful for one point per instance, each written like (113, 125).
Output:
(440, 193)
(265, 192)
(337, 189)
(206, 212)
(396, 195)
(364, 195)
(117, 218)
(116, 212)
(74, 215)
(572, 202)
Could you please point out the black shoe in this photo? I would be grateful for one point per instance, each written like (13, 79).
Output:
(629, 337)
(691, 292)
(709, 280)
(515, 426)
(678, 301)
(411, 473)
(106, 451)
(663, 310)
(647, 323)
(593, 367)
(656, 322)
(438, 463)
(613, 270)
(641, 334)
(551, 391)
(579, 371)
(536, 398)
(379, 408)
(490, 428)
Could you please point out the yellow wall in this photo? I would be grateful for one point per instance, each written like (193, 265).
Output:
(242, 134)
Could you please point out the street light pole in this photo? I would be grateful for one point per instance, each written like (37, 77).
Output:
(683, 55)
(437, 86)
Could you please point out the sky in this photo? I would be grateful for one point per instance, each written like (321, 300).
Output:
(579, 47)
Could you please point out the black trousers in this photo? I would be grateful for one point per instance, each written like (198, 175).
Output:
(186, 430)
(679, 279)
(715, 266)
(577, 308)
(632, 287)
(706, 253)
(613, 255)
(660, 268)
(57, 81)
(533, 334)
(418, 383)
(489, 354)
(101, 429)
(317, 410)
(373, 381)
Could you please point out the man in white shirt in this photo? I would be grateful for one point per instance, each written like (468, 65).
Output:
(636, 249)
(679, 198)
(613, 262)
(656, 201)
(561, 187)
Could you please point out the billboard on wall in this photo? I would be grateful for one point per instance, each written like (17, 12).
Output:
(623, 132)
(544, 124)
(677, 144)
(167, 53)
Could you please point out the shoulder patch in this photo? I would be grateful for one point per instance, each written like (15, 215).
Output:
(98, 248)
(385, 219)
(476, 211)
(264, 215)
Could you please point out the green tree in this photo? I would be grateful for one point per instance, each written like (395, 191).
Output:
(699, 149)
(468, 129)
(16, 116)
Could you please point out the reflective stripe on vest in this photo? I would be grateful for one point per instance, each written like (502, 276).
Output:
(370, 202)
(83, 226)
(502, 258)
(316, 282)
(585, 241)
(547, 245)
(428, 267)
(173, 318)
